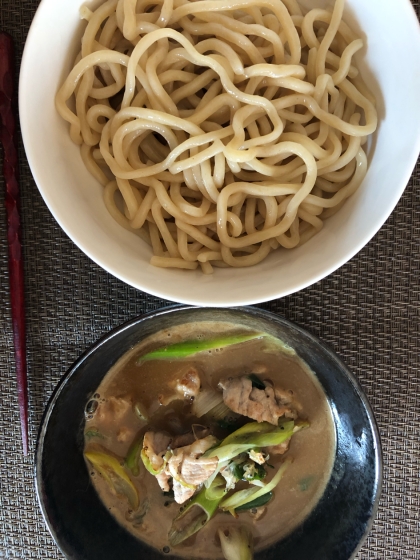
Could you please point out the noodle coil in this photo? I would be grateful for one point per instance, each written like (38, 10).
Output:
(221, 130)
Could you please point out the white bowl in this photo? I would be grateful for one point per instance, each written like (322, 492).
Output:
(390, 65)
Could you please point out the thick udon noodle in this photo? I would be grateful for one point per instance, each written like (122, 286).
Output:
(220, 129)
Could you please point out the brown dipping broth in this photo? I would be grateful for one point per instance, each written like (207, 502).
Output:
(128, 383)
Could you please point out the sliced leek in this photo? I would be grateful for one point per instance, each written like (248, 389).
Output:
(148, 464)
(132, 460)
(237, 544)
(191, 347)
(250, 436)
(193, 517)
(238, 499)
(111, 469)
(206, 400)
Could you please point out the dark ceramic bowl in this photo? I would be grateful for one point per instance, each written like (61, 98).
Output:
(83, 528)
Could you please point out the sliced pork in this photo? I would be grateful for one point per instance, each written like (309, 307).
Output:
(262, 405)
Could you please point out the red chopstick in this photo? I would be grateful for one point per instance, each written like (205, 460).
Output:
(10, 172)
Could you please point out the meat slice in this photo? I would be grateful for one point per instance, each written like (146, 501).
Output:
(185, 387)
(189, 469)
(125, 433)
(257, 456)
(114, 411)
(155, 445)
(182, 493)
(287, 398)
(197, 471)
(185, 466)
(117, 411)
(174, 465)
(189, 385)
(163, 480)
(200, 446)
(261, 405)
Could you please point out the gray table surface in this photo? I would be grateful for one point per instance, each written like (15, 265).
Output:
(368, 311)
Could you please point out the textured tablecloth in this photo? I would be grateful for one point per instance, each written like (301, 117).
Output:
(368, 311)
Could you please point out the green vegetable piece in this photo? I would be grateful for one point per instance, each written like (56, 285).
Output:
(248, 429)
(217, 490)
(259, 473)
(141, 411)
(256, 381)
(241, 471)
(110, 468)
(132, 460)
(250, 436)
(191, 347)
(237, 544)
(193, 517)
(148, 464)
(238, 471)
(238, 499)
(258, 502)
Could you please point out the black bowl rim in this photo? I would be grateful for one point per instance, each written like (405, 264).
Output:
(181, 307)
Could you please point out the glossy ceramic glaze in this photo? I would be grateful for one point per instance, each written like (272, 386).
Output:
(83, 527)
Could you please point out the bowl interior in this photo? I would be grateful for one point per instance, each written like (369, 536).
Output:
(83, 527)
(389, 65)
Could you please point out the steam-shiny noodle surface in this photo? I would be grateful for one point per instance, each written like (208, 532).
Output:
(220, 129)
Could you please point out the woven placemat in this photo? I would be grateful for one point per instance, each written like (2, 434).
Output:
(368, 311)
